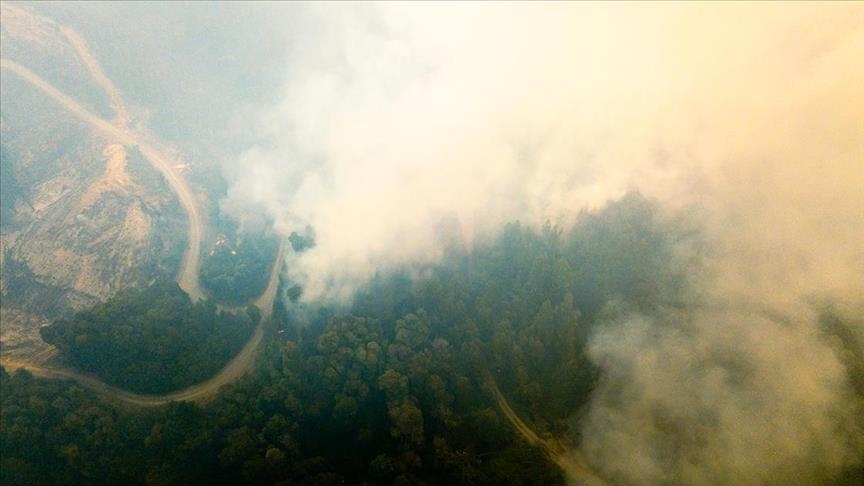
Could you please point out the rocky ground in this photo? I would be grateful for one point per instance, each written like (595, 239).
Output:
(83, 216)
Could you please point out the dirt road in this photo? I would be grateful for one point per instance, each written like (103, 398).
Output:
(571, 462)
(188, 275)
(122, 117)
(241, 364)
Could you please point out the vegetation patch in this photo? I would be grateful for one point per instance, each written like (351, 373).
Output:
(236, 268)
(151, 340)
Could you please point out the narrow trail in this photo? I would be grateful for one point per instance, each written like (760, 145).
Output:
(571, 462)
(188, 276)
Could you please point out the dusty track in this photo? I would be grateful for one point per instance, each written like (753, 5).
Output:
(122, 117)
(188, 276)
(241, 364)
(571, 462)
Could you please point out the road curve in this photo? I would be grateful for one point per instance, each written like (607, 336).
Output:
(187, 277)
(189, 269)
(241, 364)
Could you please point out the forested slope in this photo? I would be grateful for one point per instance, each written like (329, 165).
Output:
(392, 389)
(151, 340)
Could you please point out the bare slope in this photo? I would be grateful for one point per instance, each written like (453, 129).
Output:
(188, 276)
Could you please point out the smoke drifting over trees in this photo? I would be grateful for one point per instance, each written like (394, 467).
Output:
(395, 118)
(645, 222)
(404, 127)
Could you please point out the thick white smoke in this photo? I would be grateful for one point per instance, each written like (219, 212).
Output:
(394, 116)
(398, 116)
(721, 396)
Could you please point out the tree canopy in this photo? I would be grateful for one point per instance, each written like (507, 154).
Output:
(396, 388)
(151, 340)
(236, 269)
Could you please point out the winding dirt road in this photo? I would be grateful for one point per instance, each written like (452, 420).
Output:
(241, 364)
(187, 278)
(571, 462)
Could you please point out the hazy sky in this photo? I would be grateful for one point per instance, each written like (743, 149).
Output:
(747, 117)
(394, 116)
(396, 120)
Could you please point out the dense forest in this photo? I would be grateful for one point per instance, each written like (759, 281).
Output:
(236, 268)
(151, 340)
(392, 389)
(475, 243)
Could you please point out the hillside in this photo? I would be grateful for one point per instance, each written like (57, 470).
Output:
(87, 216)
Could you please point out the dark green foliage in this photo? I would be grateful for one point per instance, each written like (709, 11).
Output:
(524, 306)
(237, 272)
(53, 432)
(395, 388)
(151, 340)
(301, 242)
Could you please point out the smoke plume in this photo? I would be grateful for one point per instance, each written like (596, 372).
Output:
(394, 118)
